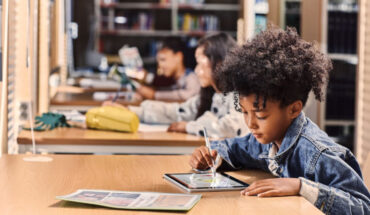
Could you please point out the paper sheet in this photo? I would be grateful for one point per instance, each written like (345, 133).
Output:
(134, 200)
(152, 128)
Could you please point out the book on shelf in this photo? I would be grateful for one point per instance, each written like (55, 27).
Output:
(189, 22)
(260, 23)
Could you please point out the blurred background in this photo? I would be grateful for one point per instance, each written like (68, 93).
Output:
(57, 54)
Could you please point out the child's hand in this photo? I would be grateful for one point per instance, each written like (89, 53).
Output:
(201, 159)
(114, 104)
(146, 92)
(274, 187)
(137, 97)
(177, 127)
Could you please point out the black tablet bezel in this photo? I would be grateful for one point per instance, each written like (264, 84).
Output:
(171, 176)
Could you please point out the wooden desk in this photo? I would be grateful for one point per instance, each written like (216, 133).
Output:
(77, 140)
(83, 101)
(77, 89)
(30, 187)
(79, 101)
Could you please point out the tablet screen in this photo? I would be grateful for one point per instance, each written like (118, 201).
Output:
(206, 180)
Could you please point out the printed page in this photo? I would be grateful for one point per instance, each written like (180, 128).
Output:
(170, 201)
(134, 200)
(152, 128)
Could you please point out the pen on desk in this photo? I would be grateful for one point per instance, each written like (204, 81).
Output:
(208, 144)
(117, 94)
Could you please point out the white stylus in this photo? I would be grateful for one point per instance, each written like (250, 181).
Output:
(208, 144)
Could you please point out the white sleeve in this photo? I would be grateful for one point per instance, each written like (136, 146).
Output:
(156, 112)
(151, 111)
(188, 110)
(229, 125)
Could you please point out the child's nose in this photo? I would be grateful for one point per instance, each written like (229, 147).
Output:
(252, 122)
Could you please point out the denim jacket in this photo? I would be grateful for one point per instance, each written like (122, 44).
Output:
(330, 175)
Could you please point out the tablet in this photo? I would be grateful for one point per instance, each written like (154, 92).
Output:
(197, 182)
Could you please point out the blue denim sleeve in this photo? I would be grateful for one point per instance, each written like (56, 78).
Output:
(241, 152)
(341, 188)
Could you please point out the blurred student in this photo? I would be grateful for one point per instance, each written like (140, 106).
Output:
(171, 65)
(211, 108)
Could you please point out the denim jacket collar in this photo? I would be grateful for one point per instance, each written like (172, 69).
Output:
(291, 137)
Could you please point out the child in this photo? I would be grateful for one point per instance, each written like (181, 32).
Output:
(273, 75)
(170, 60)
(211, 109)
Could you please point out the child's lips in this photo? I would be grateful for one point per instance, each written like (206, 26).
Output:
(257, 135)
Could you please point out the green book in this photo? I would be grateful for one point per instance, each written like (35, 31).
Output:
(134, 200)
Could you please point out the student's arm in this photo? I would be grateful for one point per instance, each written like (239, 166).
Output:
(188, 110)
(191, 88)
(241, 152)
(229, 125)
(146, 92)
(335, 187)
(156, 112)
(166, 113)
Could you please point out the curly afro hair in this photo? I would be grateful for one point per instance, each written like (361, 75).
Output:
(275, 65)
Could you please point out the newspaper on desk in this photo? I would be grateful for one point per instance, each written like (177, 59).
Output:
(134, 200)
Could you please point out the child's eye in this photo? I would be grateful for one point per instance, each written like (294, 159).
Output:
(261, 117)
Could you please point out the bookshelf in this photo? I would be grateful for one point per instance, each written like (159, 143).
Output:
(333, 24)
(341, 36)
(144, 23)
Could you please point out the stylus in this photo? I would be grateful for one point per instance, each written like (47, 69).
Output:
(208, 144)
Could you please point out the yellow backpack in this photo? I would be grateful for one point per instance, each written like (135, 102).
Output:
(112, 118)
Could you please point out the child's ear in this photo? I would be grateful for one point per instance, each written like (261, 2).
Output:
(295, 109)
